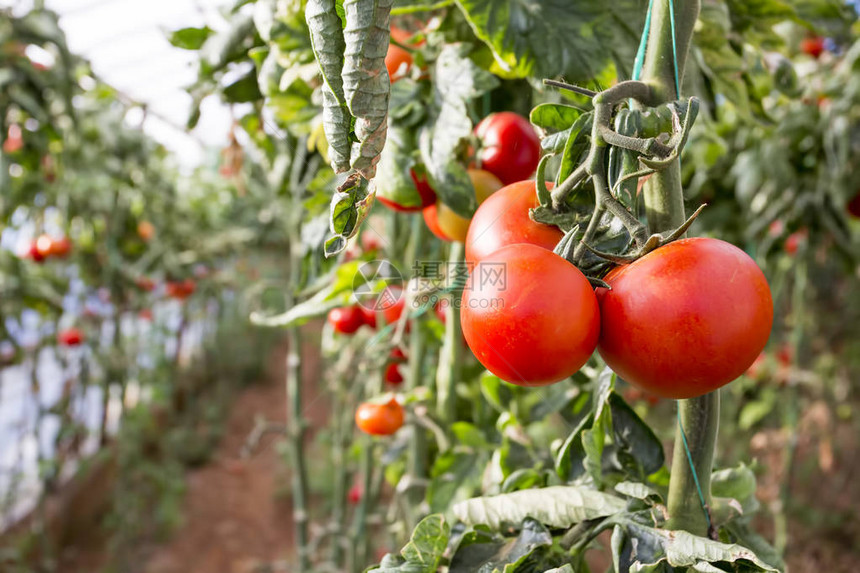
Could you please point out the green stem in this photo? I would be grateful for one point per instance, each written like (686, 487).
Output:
(417, 458)
(664, 207)
(451, 357)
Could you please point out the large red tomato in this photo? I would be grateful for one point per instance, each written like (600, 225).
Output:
(529, 316)
(503, 219)
(686, 318)
(510, 148)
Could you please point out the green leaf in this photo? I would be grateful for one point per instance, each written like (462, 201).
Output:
(329, 45)
(529, 547)
(243, 90)
(636, 490)
(190, 38)
(554, 117)
(568, 462)
(349, 207)
(394, 181)
(458, 81)
(542, 38)
(366, 84)
(454, 475)
(523, 478)
(556, 506)
(469, 435)
(636, 547)
(577, 144)
(632, 435)
(423, 552)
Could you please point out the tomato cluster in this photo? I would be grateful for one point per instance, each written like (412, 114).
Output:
(390, 305)
(679, 322)
(45, 247)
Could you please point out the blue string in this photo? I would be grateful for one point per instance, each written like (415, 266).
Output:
(643, 43)
(674, 48)
(693, 470)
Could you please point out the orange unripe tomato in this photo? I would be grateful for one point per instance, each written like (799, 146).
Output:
(453, 225)
(379, 419)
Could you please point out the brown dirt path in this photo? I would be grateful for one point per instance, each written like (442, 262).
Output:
(234, 519)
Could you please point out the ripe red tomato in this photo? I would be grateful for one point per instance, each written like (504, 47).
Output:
(145, 230)
(431, 219)
(397, 60)
(812, 46)
(529, 316)
(452, 224)
(510, 147)
(425, 192)
(145, 314)
(355, 494)
(33, 252)
(392, 374)
(503, 219)
(379, 419)
(368, 315)
(686, 318)
(391, 303)
(346, 320)
(854, 206)
(180, 290)
(392, 369)
(43, 246)
(70, 337)
(60, 247)
(14, 141)
(794, 240)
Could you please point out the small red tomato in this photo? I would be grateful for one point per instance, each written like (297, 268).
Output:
(145, 314)
(391, 303)
(776, 228)
(379, 419)
(60, 247)
(529, 316)
(145, 283)
(392, 374)
(794, 240)
(854, 206)
(398, 60)
(812, 46)
(510, 147)
(34, 253)
(503, 219)
(145, 230)
(370, 241)
(181, 290)
(368, 315)
(14, 142)
(431, 219)
(686, 318)
(70, 337)
(355, 494)
(346, 320)
(43, 245)
(785, 355)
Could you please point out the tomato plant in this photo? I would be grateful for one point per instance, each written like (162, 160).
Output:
(685, 319)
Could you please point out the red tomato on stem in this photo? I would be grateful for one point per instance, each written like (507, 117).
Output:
(510, 147)
(379, 419)
(503, 219)
(346, 320)
(686, 318)
(70, 337)
(535, 325)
